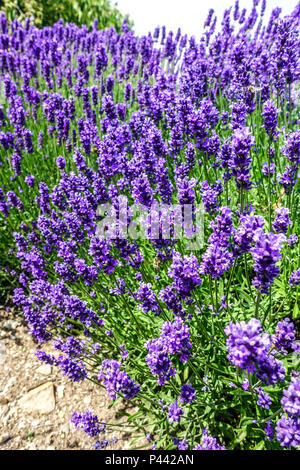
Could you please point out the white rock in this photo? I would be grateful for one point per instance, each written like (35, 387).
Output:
(60, 391)
(10, 325)
(87, 400)
(65, 428)
(10, 381)
(61, 414)
(2, 352)
(39, 399)
(44, 369)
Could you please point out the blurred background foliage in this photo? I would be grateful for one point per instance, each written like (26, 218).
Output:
(47, 12)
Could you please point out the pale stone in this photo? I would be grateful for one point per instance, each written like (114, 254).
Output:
(2, 352)
(65, 428)
(60, 391)
(87, 400)
(9, 383)
(61, 414)
(10, 325)
(39, 399)
(44, 369)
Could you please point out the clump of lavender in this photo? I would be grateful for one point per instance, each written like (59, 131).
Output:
(282, 220)
(269, 114)
(288, 427)
(268, 170)
(249, 348)
(188, 394)
(146, 298)
(264, 399)
(295, 278)
(266, 253)
(185, 274)
(240, 161)
(210, 196)
(244, 235)
(284, 336)
(291, 148)
(174, 413)
(216, 260)
(174, 339)
(208, 442)
(89, 423)
(117, 381)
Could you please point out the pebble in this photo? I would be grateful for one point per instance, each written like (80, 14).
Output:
(39, 399)
(44, 369)
(10, 325)
(2, 352)
(60, 391)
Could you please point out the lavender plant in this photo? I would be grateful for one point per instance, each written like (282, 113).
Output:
(202, 340)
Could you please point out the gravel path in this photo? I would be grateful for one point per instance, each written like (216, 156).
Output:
(37, 401)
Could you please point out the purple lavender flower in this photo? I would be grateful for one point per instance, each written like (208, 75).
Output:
(61, 163)
(29, 179)
(269, 114)
(284, 336)
(210, 196)
(208, 443)
(216, 260)
(88, 422)
(158, 359)
(295, 278)
(174, 413)
(116, 381)
(269, 430)
(291, 148)
(247, 345)
(288, 178)
(188, 394)
(240, 160)
(75, 371)
(266, 253)
(292, 240)
(185, 273)
(174, 339)
(245, 385)
(264, 399)
(268, 170)
(181, 444)
(147, 299)
(288, 431)
(222, 227)
(291, 398)
(244, 235)
(282, 220)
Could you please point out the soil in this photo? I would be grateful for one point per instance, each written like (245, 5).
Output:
(49, 428)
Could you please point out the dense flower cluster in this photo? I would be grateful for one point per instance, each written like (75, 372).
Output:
(265, 254)
(88, 422)
(288, 427)
(117, 381)
(249, 348)
(208, 443)
(174, 339)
